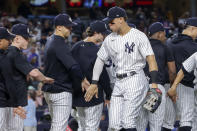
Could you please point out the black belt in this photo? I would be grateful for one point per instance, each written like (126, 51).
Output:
(121, 76)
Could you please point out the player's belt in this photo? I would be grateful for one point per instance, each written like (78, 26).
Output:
(121, 76)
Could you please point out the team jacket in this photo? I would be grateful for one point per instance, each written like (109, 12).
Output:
(85, 53)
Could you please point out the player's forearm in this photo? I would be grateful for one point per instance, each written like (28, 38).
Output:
(98, 68)
(37, 75)
(178, 78)
(171, 71)
(152, 63)
(153, 69)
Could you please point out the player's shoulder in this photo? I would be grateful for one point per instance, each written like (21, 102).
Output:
(139, 33)
(111, 36)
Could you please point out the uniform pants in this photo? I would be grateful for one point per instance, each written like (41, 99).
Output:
(60, 105)
(126, 100)
(184, 107)
(194, 124)
(13, 122)
(155, 119)
(89, 117)
(2, 117)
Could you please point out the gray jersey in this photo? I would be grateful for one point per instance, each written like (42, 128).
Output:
(127, 52)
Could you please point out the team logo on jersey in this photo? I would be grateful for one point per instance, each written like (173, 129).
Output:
(129, 48)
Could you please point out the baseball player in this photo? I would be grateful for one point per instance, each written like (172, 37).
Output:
(85, 53)
(164, 59)
(129, 49)
(60, 65)
(5, 38)
(15, 69)
(183, 47)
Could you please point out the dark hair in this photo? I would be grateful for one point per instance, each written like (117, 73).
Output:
(125, 18)
(89, 32)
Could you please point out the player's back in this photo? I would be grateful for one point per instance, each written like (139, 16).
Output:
(183, 47)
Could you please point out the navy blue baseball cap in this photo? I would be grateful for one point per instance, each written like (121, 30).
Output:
(5, 34)
(64, 20)
(115, 12)
(99, 27)
(21, 29)
(191, 21)
(155, 27)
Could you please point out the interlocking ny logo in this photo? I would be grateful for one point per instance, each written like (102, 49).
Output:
(129, 48)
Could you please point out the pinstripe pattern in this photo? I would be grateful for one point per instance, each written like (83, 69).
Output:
(170, 114)
(89, 117)
(128, 53)
(13, 123)
(155, 119)
(60, 105)
(126, 101)
(2, 117)
(190, 65)
(194, 124)
(185, 106)
(114, 47)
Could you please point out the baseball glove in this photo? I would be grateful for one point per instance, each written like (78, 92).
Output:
(153, 99)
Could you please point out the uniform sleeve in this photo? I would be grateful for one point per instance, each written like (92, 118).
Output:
(144, 46)
(22, 64)
(190, 64)
(169, 53)
(64, 55)
(103, 53)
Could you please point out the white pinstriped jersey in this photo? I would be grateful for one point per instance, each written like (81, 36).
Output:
(127, 52)
(191, 65)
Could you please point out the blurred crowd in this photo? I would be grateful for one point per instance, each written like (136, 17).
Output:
(41, 28)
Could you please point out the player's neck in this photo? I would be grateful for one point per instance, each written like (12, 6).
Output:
(58, 33)
(124, 30)
(16, 45)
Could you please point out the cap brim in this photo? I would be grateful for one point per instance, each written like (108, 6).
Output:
(11, 36)
(107, 20)
(71, 24)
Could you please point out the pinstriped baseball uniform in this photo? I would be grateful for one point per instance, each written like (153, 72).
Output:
(60, 105)
(194, 125)
(89, 117)
(14, 123)
(190, 65)
(128, 53)
(155, 119)
(183, 47)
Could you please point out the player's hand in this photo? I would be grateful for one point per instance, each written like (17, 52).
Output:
(154, 85)
(172, 94)
(48, 80)
(107, 103)
(20, 111)
(85, 85)
(92, 91)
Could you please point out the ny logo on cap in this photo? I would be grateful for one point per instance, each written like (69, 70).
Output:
(70, 19)
(28, 30)
(129, 48)
(108, 13)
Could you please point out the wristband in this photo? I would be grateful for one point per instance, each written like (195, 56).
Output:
(154, 76)
(94, 82)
